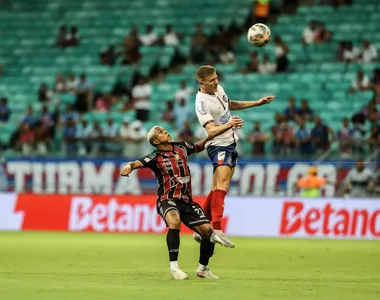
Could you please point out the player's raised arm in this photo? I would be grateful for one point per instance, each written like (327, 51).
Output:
(239, 105)
(129, 167)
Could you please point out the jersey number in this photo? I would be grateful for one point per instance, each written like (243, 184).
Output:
(199, 211)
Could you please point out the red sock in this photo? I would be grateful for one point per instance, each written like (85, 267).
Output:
(217, 208)
(207, 206)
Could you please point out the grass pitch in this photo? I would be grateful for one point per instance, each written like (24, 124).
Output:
(80, 266)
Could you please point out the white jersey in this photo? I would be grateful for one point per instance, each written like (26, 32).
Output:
(215, 108)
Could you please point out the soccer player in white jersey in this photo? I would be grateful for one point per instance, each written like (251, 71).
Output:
(213, 108)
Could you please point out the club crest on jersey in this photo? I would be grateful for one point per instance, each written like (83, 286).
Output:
(225, 98)
(176, 156)
(201, 108)
(225, 118)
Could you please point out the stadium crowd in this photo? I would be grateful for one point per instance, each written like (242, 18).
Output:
(297, 131)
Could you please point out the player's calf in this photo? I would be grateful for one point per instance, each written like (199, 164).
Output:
(173, 221)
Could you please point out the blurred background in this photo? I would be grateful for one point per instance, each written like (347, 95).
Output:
(83, 81)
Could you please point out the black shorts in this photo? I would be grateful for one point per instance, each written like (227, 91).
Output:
(191, 213)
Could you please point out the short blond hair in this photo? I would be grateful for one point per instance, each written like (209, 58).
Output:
(204, 71)
(151, 135)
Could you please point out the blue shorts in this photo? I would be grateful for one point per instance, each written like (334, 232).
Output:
(223, 155)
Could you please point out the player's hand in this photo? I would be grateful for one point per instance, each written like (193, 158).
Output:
(126, 171)
(265, 100)
(236, 122)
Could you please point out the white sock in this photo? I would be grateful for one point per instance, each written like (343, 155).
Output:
(174, 264)
(202, 267)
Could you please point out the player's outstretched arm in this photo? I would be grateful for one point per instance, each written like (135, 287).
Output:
(129, 167)
(239, 105)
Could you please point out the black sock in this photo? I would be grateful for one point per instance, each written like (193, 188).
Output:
(172, 240)
(207, 250)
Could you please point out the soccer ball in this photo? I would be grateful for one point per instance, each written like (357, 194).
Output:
(259, 35)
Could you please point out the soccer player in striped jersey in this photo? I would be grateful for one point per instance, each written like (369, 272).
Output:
(174, 197)
(213, 108)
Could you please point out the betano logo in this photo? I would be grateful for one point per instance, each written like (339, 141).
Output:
(112, 216)
(329, 221)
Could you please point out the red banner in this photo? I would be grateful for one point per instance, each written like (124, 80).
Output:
(91, 213)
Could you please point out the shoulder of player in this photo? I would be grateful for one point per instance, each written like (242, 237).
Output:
(178, 144)
(150, 157)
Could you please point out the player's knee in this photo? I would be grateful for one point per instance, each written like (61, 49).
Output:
(205, 231)
(173, 220)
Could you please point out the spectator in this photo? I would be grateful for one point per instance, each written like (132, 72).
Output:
(368, 53)
(276, 145)
(226, 56)
(5, 111)
(345, 135)
(183, 93)
(104, 102)
(358, 133)
(70, 137)
(108, 57)
(111, 137)
(359, 83)
(286, 138)
(261, 11)
(26, 139)
(44, 95)
(373, 113)
(168, 115)
(186, 134)
(136, 139)
(171, 38)
(124, 136)
(61, 40)
(141, 94)
(311, 185)
(220, 40)
(350, 53)
(303, 140)
(182, 113)
(374, 137)
(29, 118)
(94, 138)
(305, 112)
(253, 64)
(309, 33)
(131, 47)
(150, 37)
(84, 93)
(82, 135)
(375, 85)
(320, 136)
(258, 138)
(198, 45)
(69, 114)
(60, 84)
(282, 51)
(41, 139)
(73, 38)
(291, 112)
(322, 35)
(266, 66)
(48, 120)
(360, 182)
(72, 83)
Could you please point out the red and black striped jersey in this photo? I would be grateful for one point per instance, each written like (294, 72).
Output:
(172, 171)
